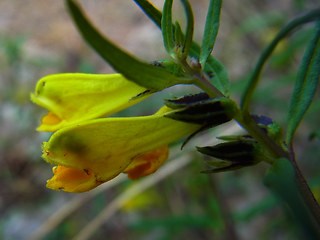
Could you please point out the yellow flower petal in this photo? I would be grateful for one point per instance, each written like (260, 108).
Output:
(147, 163)
(75, 97)
(108, 146)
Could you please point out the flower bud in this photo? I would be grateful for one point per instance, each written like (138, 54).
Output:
(273, 130)
(187, 100)
(232, 155)
(202, 110)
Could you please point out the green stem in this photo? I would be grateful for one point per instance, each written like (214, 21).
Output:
(306, 192)
(254, 79)
(201, 80)
(205, 85)
(248, 123)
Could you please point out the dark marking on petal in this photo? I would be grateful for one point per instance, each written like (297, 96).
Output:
(143, 93)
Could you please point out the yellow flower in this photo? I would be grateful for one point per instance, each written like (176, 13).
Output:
(74, 97)
(95, 151)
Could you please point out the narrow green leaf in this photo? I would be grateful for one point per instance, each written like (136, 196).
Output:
(178, 35)
(306, 84)
(151, 11)
(218, 75)
(147, 75)
(167, 27)
(211, 30)
(190, 26)
(213, 67)
(255, 76)
(281, 181)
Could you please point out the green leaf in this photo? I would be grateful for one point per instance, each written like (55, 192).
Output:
(147, 75)
(255, 76)
(178, 35)
(190, 26)
(306, 84)
(218, 75)
(213, 67)
(281, 180)
(151, 11)
(213, 111)
(167, 27)
(211, 30)
(234, 151)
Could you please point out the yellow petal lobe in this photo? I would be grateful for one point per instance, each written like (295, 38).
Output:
(147, 163)
(76, 97)
(72, 180)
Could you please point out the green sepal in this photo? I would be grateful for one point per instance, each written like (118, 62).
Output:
(235, 154)
(187, 100)
(306, 84)
(213, 112)
(144, 74)
(237, 138)
(210, 31)
(170, 66)
(193, 116)
(178, 34)
(272, 128)
(230, 167)
(234, 151)
(202, 129)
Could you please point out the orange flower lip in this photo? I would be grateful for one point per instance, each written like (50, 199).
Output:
(72, 179)
(50, 119)
(147, 163)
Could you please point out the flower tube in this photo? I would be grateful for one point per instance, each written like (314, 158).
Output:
(95, 151)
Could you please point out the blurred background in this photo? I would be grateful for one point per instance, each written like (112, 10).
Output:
(38, 38)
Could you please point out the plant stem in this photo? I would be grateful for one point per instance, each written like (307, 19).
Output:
(200, 80)
(305, 190)
(247, 122)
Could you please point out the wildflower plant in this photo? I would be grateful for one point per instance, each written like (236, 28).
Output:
(89, 149)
